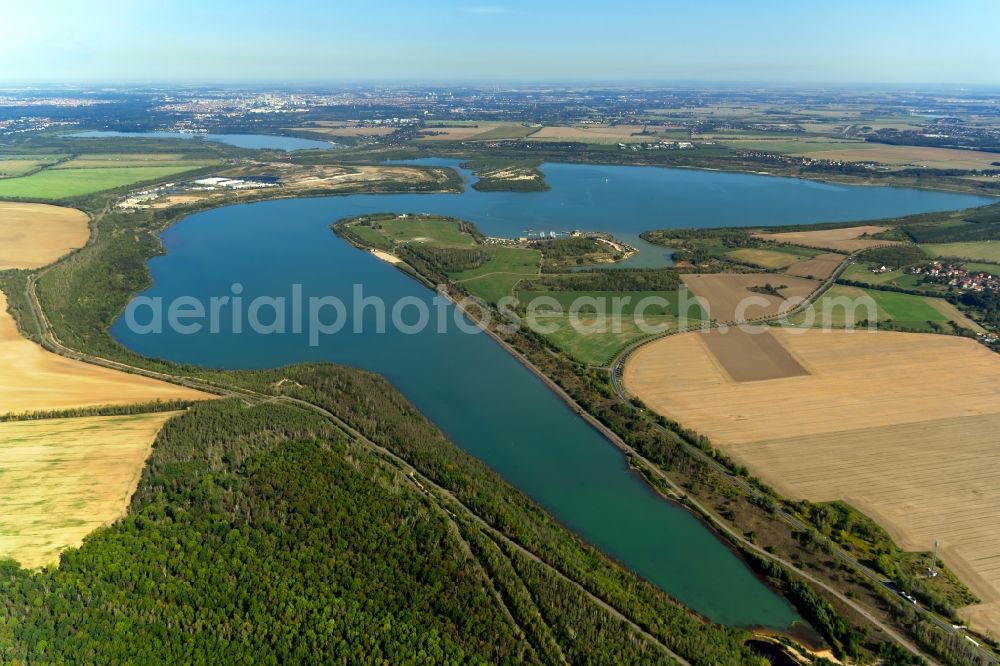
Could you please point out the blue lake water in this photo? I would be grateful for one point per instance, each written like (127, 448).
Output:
(255, 141)
(481, 397)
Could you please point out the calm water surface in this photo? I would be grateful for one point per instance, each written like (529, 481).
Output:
(479, 395)
(257, 141)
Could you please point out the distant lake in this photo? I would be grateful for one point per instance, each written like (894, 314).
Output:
(477, 393)
(253, 141)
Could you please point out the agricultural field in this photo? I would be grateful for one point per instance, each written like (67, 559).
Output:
(66, 183)
(597, 339)
(34, 380)
(12, 166)
(723, 294)
(597, 133)
(986, 251)
(476, 132)
(851, 150)
(818, 267)
(862, 273)
(503, 269)
(64, 478)
(908, 156)
(901, 426)
(344, 129)
(438, 231)
(34, 235)
(813, 146)
(844, 239)
(628, 303)
(907, 311)
(773, 259)
(133, 160)
(981, 267)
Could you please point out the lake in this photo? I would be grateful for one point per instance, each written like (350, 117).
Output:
(479, 395)
(255, 141)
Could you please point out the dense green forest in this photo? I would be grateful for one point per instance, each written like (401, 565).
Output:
(267, 534)
(978, 224)
(894, 256)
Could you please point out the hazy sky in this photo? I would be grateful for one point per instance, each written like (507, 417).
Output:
(915, 41)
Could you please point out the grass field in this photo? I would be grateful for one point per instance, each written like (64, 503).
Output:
(32, 379)
(982, 267)
(63, 478)
(423, 230)
(908, 311)
(65, 183)
(129, 160)
(11, 168)
(604, 301)
(597, 340)
(862, 273)
(34, 235)
(765, 258)
(500, 273)
(987, 251)
(902, 426)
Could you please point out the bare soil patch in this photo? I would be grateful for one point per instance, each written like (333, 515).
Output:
(749, 355)
(727, 296)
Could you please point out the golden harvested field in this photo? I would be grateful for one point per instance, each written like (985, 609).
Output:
(456, 133)
(847, 239)
(954, 314)
(32, 379)
(819, 267)
(900, 425)
(922, 156)
(64, 478)
(594, 134)
(763, 257)
(721, 294)
(345, 129)
(33, 235)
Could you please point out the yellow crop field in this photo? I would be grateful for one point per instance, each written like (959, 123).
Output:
(33, 235)
(845, 239)
(33, 379)
(64, 478)
(900, 425)
(728, 296)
